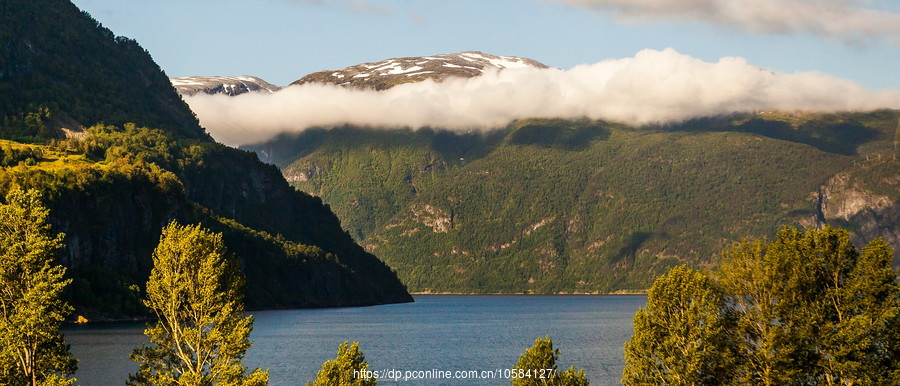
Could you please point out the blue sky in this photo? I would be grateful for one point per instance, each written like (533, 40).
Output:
(282, 40)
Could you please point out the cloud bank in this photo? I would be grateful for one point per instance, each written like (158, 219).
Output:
(845, 19)
(651, 87)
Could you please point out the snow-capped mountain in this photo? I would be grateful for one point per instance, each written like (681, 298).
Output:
(391, 72)
(229, 85)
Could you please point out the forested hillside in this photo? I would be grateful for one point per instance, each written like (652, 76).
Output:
(112, 187)
(56, 58)
(589, 206)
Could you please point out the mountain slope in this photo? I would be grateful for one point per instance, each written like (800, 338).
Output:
(367, 176)
(112, 187)
(579, 206)
(391, 72)
(52, 55)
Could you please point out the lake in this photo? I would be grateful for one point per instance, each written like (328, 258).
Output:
(437, 332)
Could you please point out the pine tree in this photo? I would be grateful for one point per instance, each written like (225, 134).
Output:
(681, 335)
(201, 334)
(348, 369)
(32, 351)
(537, 366)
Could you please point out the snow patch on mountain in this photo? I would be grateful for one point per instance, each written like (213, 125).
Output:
(391, 72)
(228, 85)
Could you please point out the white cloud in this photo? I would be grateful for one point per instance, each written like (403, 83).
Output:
(653, 86)
(844, 19)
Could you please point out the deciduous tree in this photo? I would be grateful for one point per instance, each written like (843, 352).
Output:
(347, 369)
(681, 335)
(201, 334)
(32, 351)
(806, 308)
(537, 366)
(814, 309)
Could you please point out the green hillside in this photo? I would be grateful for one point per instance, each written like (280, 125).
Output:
(579, 206)
(367, 175)
(111, 188)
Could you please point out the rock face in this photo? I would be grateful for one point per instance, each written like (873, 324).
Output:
(228, 85)
(391, 72)
(865, 206)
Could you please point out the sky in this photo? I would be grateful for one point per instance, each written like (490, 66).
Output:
(282, 40)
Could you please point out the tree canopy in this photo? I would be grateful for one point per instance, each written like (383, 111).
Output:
(681, 335)
(537, 366)
(32, 351)
(806, 308)
(201, 334)
(347, 369)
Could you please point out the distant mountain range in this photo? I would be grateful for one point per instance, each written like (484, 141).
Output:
(548, 205)
(228, 85)
(551, 205)
(376, 75)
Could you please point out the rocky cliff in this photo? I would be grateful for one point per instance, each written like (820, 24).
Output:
(865, 199)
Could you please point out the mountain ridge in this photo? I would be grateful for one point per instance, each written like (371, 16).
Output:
(388, 73)
(118, 82)
(227, 85)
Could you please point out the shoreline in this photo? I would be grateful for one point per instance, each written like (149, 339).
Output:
(73, 320)
(127, 320)
(615, 293)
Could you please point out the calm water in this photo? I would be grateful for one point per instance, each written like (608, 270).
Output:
(444, 332)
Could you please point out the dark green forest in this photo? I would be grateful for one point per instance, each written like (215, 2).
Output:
(56, 58)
